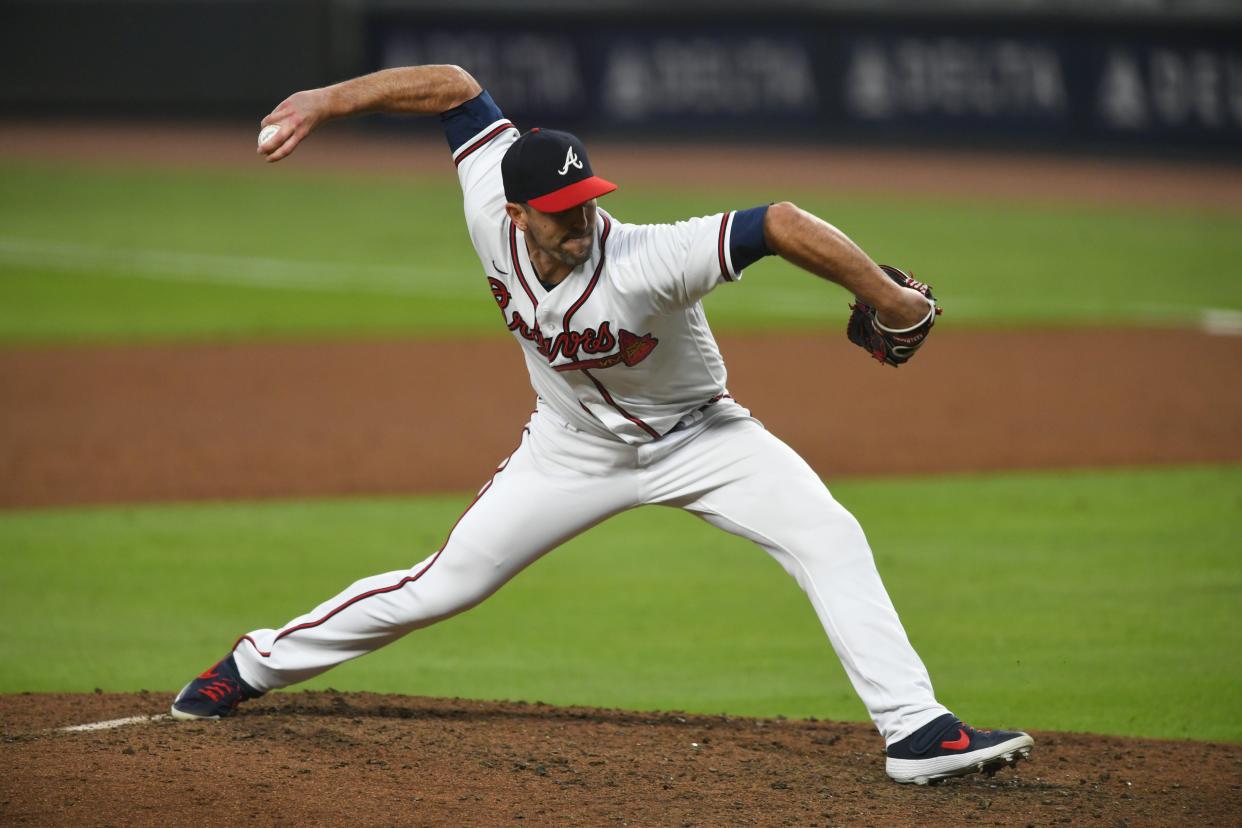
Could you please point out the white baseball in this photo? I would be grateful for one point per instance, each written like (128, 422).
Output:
(268, 132)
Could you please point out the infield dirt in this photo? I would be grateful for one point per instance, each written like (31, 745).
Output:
(183, 422)
(137, 423)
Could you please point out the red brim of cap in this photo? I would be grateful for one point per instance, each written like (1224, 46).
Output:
(577, 193)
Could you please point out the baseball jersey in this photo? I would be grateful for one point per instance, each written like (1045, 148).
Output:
(621, 347)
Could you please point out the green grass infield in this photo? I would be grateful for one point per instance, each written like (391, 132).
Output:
(1087, 601)
(96, 254)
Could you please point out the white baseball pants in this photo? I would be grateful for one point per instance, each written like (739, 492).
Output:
(725, 468)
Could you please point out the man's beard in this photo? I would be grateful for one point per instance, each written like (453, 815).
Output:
(574, 260)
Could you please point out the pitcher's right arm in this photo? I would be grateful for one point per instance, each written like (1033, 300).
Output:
(414, 90)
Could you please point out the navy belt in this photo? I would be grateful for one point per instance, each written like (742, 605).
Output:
(691, 418)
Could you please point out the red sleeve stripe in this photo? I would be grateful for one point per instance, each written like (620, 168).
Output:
(517, 267)
(409, 579)
(720, 246)
(482, 142)
(627, 415)
(599, 268)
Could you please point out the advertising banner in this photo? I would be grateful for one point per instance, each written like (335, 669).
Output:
(1005, 82)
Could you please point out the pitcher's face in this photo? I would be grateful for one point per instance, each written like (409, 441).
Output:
(567, 236)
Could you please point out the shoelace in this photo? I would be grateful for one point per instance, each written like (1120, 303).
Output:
(218, 689)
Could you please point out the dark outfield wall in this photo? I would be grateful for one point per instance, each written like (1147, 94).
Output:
(188, 58)
(1152, 85)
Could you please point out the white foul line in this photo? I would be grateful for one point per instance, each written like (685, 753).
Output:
(1222, 321)
(111, 723)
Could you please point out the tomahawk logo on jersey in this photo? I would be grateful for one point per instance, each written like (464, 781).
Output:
(621, 347)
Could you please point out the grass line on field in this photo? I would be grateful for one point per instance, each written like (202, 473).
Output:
(271, 272)
(214, 268)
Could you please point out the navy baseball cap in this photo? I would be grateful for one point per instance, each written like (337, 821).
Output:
(549, 170)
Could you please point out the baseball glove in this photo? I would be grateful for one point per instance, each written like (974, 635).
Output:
(888, 345)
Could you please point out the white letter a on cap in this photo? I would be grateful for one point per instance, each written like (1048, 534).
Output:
(571, 160)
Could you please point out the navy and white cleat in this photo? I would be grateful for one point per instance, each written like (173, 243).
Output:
(214, 694)
(946, 747)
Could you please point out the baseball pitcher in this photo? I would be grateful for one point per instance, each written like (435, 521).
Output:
(632, 409)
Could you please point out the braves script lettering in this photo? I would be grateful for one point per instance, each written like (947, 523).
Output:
(570, 344)
(590, 341)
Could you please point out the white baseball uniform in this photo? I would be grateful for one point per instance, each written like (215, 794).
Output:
(632, 410)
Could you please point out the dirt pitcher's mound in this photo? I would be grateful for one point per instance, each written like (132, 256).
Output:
(361, 759)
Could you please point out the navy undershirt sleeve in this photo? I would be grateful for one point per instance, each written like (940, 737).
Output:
(463, 122)
(747, 243)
